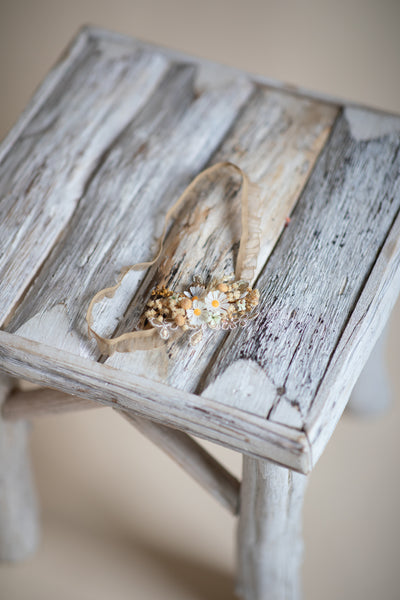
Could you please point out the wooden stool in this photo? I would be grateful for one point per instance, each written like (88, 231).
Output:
(115, 133)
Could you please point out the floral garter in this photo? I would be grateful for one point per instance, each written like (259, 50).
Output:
(224, 304)
(228, 305)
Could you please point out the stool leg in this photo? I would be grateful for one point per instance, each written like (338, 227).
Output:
(270, 545)
(19, 528)
(371, 394)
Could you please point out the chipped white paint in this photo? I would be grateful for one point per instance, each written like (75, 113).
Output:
(57, 152)
(362, 331)
(276, 138)
(287, 413)
(53, 327)
(142, 173)
(53, 79)
(107, 313)
(247, 387)
(368, 124)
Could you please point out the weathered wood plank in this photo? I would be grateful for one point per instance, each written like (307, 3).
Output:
(313, 279)
(85, 378)
(361, 332)
(275, 140)
(150, 163)
(58, 151)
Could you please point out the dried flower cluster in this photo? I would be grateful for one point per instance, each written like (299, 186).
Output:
(225, 305)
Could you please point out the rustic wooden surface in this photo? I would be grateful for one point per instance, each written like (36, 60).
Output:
(88, 198)
(313, 281)
(58, 150)
(158, 402)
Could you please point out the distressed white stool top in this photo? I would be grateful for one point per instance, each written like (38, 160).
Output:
(115, 133)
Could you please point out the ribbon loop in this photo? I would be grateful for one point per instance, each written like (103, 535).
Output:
(245, 264)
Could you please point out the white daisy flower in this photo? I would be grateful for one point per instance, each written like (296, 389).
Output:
(216, 302)
(195, 292)
(197, 314)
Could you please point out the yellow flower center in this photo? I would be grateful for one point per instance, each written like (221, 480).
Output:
(215, 303)
(195, 297)
(197, 312)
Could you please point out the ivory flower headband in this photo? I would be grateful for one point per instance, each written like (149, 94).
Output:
(228, 305)
(224, 304)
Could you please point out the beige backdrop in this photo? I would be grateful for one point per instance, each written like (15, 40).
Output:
(120, 520)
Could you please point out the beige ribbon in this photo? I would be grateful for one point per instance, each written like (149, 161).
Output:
(245, 264)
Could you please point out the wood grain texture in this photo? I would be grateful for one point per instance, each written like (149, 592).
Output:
(313, 280)
(102, 240)
(85, 378)
(362, 331)
(149, 165)
(57, 152)
(275, 140)
(19, 520)
(270, 545)
(192, 115)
